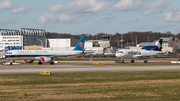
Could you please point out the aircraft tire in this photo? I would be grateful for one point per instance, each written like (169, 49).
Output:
(40, 63)
(145, 61)
(122, 61)
(52, 63)
(132, 61)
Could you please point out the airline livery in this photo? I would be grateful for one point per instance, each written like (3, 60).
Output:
(150, 52)
(46, 56)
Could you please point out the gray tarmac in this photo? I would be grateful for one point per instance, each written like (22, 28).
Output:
(67, 67)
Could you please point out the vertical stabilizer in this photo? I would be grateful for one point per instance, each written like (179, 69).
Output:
(159, 45)
(80, 44)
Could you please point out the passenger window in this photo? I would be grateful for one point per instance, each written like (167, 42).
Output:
(120, 52)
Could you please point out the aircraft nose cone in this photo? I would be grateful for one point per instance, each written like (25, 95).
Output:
(119, 55)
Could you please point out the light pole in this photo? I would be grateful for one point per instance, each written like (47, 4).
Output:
(148, 39)
(117, 43)
(67, 41)
(57, 43)
(40, 41)
(127, 42)
(121, 40)
(52, 44)
(136, 40)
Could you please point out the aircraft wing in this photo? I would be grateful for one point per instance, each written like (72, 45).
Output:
(149, 47)
(88, 52)
(66, 55)
(137, 56)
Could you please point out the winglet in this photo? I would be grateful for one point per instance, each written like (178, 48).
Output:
(80, 45)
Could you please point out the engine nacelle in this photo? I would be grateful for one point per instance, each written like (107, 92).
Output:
(28, 61)
(46, 60)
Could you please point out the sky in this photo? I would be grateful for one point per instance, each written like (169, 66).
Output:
(91, 16)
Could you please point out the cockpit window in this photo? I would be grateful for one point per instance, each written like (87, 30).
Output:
(120, 52)
(9, 53)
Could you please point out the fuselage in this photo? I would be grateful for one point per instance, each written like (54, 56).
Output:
(37, 54)
(134, 54)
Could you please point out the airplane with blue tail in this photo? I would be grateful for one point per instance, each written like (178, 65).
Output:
(46, 56)
(157, 47)
(149, 52)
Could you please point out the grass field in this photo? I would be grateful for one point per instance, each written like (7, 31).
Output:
(90, 86)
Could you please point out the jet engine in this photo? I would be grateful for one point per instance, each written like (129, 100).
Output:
(28, 61)
(46, 60)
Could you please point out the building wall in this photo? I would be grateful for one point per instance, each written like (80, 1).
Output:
(22, 37)
(63, 42)
(88, 44)
(10, 41)
(100, 43)
(59, 42)
(29, 40)
(74, 42)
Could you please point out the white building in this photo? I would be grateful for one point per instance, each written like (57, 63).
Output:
(22, 37)
(61, 44)
(10, 38)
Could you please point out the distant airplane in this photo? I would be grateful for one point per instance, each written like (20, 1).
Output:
(46, 56)
(150, 52)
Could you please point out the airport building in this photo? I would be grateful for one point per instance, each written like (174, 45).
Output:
(10, 37)
(22, 37)
(61, 44)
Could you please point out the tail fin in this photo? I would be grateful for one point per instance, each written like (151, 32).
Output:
(80, 45)
(159, 45)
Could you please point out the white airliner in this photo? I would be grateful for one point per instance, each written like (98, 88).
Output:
(140, 54)
(46, 56)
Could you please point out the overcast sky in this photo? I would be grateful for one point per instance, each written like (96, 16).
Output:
(91, 16)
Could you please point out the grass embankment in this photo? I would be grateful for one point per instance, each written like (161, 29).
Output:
(100, 86)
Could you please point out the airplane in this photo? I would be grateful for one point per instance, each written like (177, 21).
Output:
(150, 52)
(46, 56)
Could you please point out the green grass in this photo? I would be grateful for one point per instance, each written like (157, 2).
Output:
(90, 86)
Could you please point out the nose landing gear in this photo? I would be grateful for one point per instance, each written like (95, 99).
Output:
(145, 61)
(132, 61)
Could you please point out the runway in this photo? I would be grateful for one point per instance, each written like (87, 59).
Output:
(77, 68)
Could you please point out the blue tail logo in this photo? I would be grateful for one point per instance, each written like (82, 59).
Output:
(80, 45)
(158, 47)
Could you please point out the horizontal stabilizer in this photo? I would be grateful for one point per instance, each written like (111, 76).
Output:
(149, 47)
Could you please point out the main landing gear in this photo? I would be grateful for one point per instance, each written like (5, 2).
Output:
(122, 61)
(145, 61)
(132, 61)
(40, 63)
(52, 63)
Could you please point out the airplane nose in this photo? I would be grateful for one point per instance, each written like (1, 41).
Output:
(119, 55)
